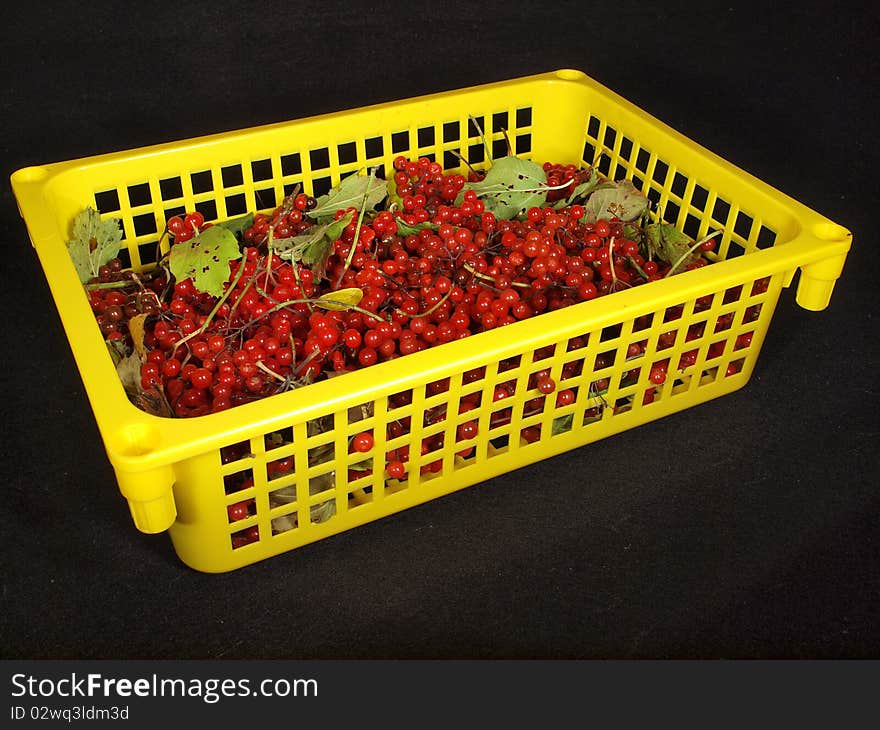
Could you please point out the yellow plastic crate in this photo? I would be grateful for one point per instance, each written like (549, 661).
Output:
(175, 473)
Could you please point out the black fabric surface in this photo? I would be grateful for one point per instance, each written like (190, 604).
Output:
(743, 528)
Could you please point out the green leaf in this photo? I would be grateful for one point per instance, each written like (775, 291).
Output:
(581, 191)
(237, 225)
(407, 229)
(666, 242)
(562, 424)
(511, 186)
(313, 247)
(393, 197)
(617, 200)
(353, 191)
(94, 243)
(205, 259)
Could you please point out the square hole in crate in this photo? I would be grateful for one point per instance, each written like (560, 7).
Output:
(237, 511)
(721, 211)
(435, 387)
(425, 136)
(400, 400)
(107, 201)
(451, 132)
(476, 153)
(261, 170)
(400, 142)
(524, 117)
(144, 224)
(245, 537)
(610, 137)
(593, 126)
(542, 353)
(523, 143)
(643, 322)
(208, 208)
(723, 322)
(604, 359)
(147, 253)
(673, 313)
(292, 164)
(319, 159)
(593, 414)
(170, 188)
(766, 238)
(125, 257)
(476, 126)
(499, 148)
(139, 195)
(759, 286)
(533, 406)
(691, 226)
(347, 153)
(451, 160)
(661, 172)
(201, 182)
(509, 363)
(238, 481)
(279, 438)
(280, 467)
(322, 454)
(374, 147)
(236, 204)
(734, 249)
(679, 183)
(231, 176)
(666, 339)
(643, 159)
(265, 198)
(670, 212)
(290, 187)
(752, 313)
(176, 210)
(499, 122)
(743, 225)
(321, 186)
(578, 342)
(474, 375)
(588, 154)
(732, 294)
(611, 332)
(626, 148)
(699, 197)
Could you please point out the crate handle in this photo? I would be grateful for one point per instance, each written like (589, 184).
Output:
(817, 279)
(148, 491)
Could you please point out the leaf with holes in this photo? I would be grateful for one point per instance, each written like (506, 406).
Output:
(313, 247)
(353, 191)
(205, 259)
(669, 244)
(596, 182)
(94, 243)
(511, 186)
(618, 200)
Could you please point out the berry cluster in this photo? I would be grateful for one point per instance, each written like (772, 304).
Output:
(433, 267)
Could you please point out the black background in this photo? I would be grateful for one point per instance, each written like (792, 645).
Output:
(744, 528)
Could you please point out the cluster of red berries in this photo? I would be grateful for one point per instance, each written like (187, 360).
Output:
(433, 268)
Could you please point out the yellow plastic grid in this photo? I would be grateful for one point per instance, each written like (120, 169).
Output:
(708, 324)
